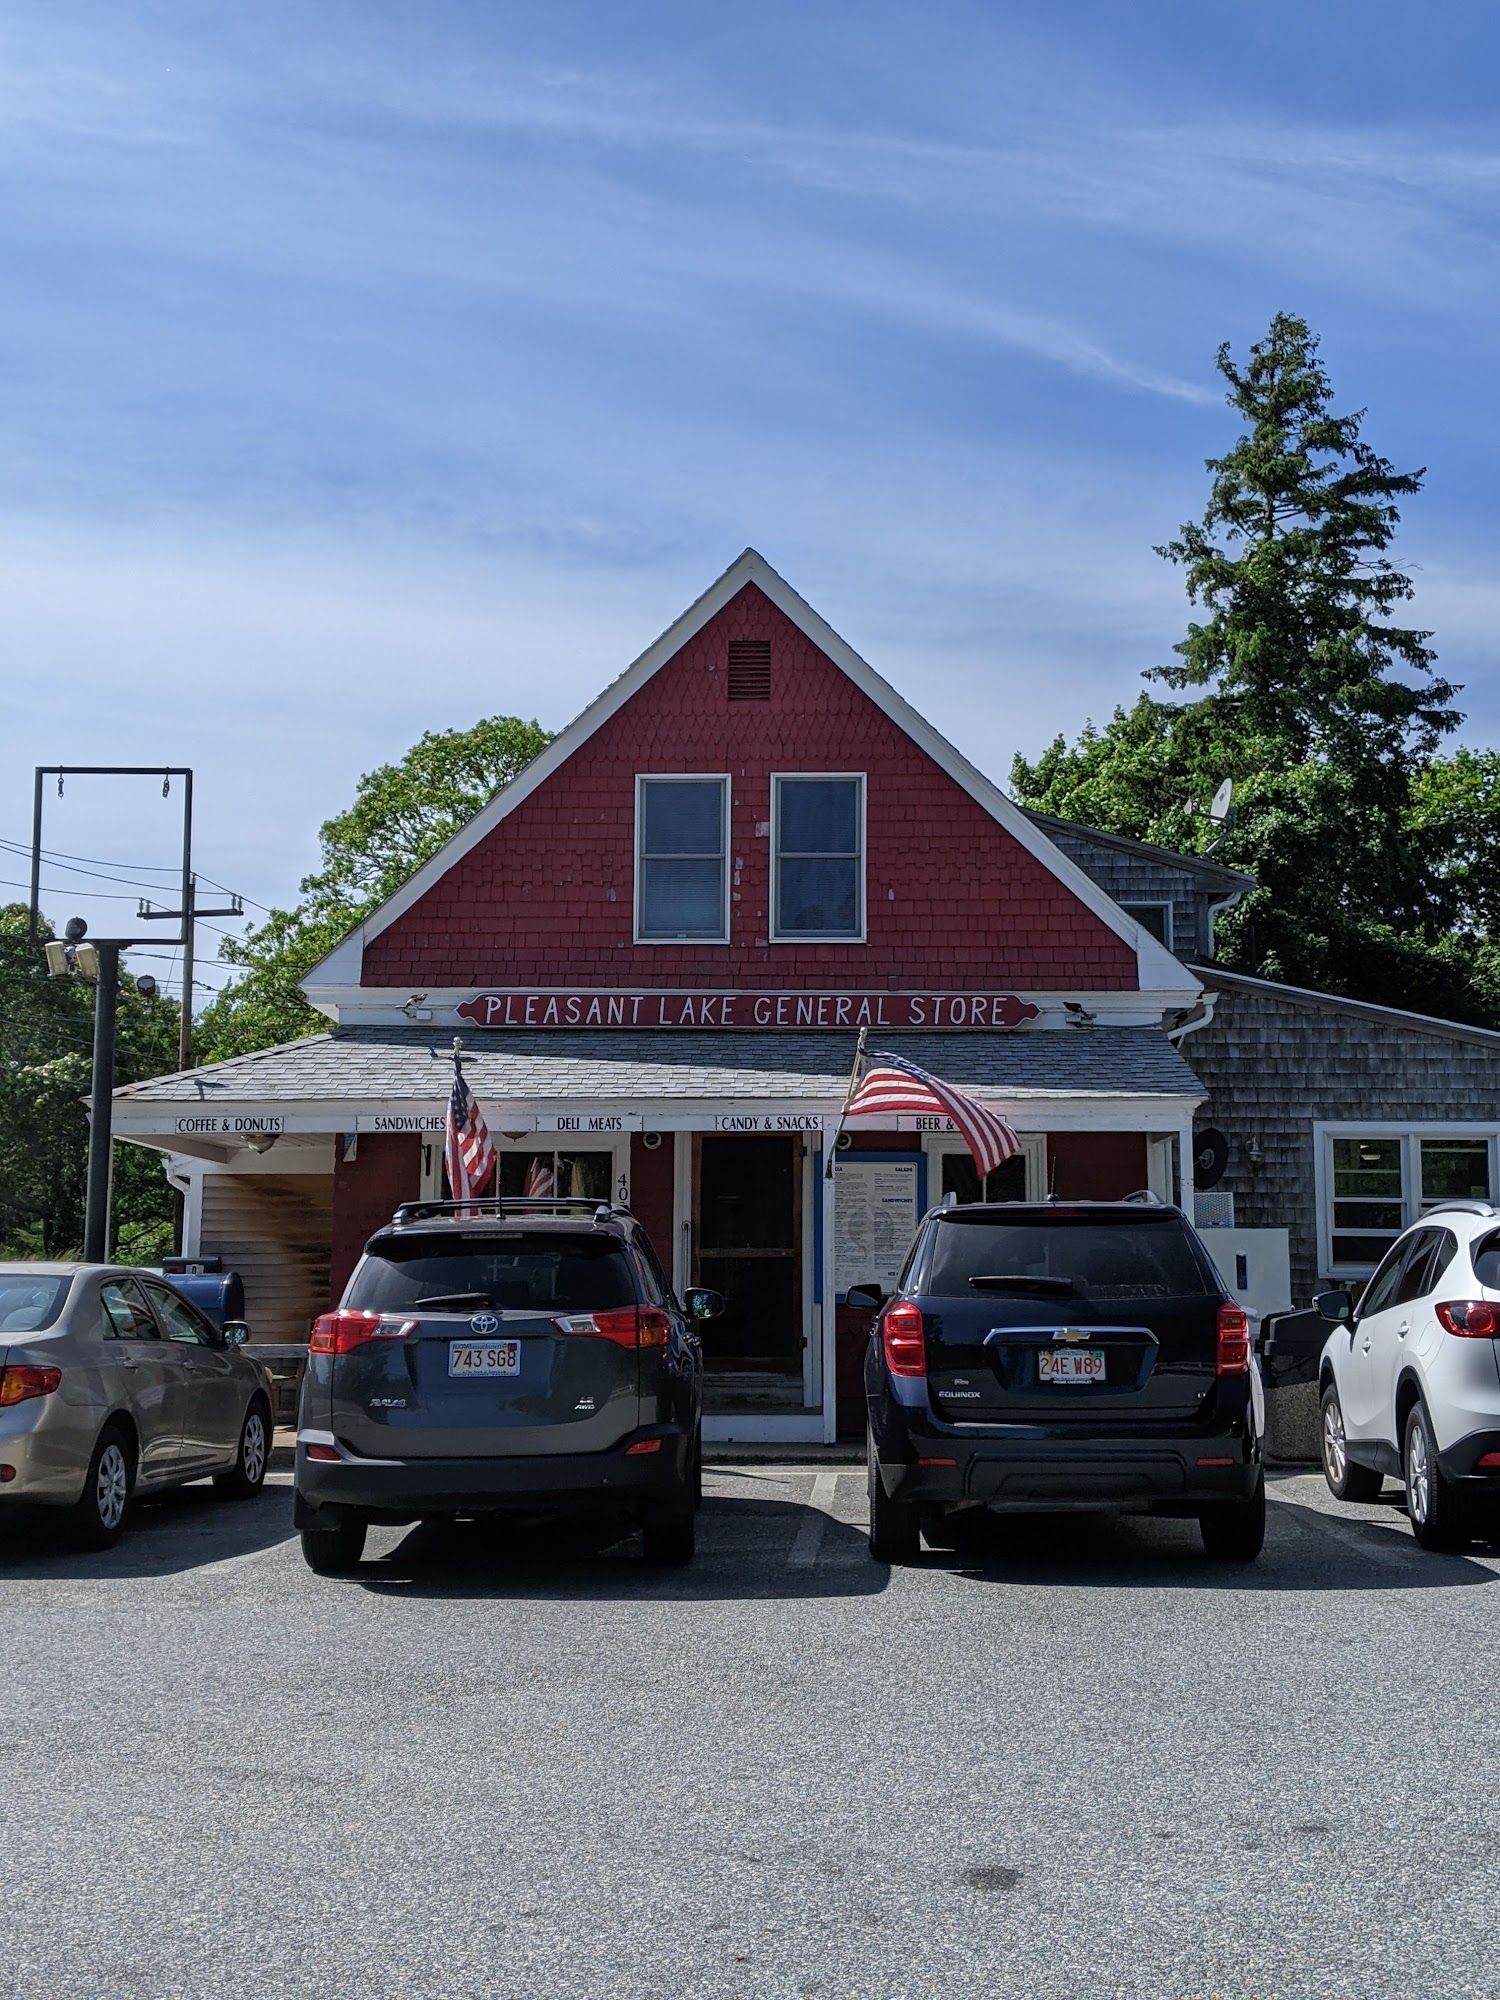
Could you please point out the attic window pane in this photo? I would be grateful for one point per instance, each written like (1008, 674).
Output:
(1153, 917)
(749, 670)
(680, 859)
(819, 857)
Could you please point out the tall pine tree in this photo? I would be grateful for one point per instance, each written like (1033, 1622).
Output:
(1321, 706)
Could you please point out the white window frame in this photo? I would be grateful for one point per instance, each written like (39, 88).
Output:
(644, 778)
(616, 1144)
(936, 1145)
(1410, 1134)
(858, 934)
(1153, 903)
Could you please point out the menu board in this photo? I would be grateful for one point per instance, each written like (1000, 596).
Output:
(875, 1216)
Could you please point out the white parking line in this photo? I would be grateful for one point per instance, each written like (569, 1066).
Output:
(821, 1503)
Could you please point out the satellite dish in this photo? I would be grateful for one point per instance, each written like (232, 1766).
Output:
(1218, 812)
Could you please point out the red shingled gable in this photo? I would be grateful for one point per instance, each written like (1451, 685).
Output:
(954, 900)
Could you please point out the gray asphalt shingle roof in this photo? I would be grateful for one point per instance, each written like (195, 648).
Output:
(397, 1063)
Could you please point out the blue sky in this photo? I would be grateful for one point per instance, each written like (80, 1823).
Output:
(371, 367)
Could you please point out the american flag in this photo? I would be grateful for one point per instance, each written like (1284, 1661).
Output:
(540, 1179)
(892, 1084)
(468, 1150)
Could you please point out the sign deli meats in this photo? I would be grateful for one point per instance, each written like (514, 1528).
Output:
(747, 1010)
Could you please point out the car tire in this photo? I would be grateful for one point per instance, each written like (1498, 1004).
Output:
(698, 1467)
(336, 1550)
(1440, 1517)
(1346, 1480)
(247, 1476)
(1236, 1530)
(97, 1518)
(895, 1525)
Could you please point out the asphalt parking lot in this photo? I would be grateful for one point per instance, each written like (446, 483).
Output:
(1072, 1758)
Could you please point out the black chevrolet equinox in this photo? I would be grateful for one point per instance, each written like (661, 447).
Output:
(503, 1356)
(1045, 1356)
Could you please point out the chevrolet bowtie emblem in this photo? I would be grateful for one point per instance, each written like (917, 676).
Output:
(1071, 1333)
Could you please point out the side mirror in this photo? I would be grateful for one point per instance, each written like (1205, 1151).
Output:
(1337, 1306)
(865, 1298)
(704, 1304)
(236, 1333)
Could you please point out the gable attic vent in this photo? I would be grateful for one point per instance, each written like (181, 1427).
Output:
(749, 670)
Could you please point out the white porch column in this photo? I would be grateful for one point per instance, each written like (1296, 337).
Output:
(828, 1181)
(1185, 1167)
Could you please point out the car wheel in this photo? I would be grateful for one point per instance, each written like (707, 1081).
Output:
(1236, 1530)
(97, 1518)
(248, 1474)
(1346, 1480)
(895, 1525)
(335, 1551)
(1439, 1517)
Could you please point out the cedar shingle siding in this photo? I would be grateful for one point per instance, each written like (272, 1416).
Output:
(1275, 1064)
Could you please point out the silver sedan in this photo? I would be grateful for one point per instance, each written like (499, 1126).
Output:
(112, 1384)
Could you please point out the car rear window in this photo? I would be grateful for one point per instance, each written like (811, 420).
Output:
(27, 1304)
(1098, 1259)
(522, 1273)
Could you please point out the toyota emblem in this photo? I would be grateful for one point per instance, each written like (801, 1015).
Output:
(484, 1323)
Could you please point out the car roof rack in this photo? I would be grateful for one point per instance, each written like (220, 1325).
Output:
(499, 1206)
(1463, 1204)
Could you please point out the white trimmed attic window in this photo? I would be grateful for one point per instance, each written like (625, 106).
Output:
(1153, 917)
(682, 860)
(818, 839)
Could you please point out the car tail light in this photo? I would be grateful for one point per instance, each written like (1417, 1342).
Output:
(1488, 1461)
(643, 1447)
(339, 1332)
(323, 1453)
(1234, 1341)
(7, 1474)
(905, 1340)
(21, 1383)
(1475, 1319)
(626, 1326)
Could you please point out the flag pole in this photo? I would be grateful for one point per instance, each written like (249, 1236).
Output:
(859, 1056)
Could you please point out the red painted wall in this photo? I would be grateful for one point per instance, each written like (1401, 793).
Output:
(547, 898)
(1096, 1166)
(651, 1192)
(366, 1191)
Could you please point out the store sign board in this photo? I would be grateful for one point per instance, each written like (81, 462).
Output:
(516, 1009)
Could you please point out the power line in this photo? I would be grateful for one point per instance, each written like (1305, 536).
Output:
(58, 859)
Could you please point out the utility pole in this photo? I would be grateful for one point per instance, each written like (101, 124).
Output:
(101, 1104)
(188, 915)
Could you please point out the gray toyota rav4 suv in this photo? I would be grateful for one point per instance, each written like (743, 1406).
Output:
(503, 1356)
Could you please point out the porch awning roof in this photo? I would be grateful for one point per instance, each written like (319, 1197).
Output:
(395, 1065)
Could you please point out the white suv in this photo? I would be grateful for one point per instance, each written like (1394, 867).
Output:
(1411, 1380)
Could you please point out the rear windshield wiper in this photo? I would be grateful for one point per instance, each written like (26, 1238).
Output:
(1021, 1281)
(456, 1301)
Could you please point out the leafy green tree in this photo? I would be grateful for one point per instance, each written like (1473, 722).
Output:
(46, 1049)
(402, 814)
(1322, 707)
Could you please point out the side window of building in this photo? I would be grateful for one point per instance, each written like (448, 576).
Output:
(818, 872)
(124, 1313)
(1153, 917)
(681, 860)
(179, 1319)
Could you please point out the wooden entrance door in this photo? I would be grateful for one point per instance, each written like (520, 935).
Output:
(747, 1244)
